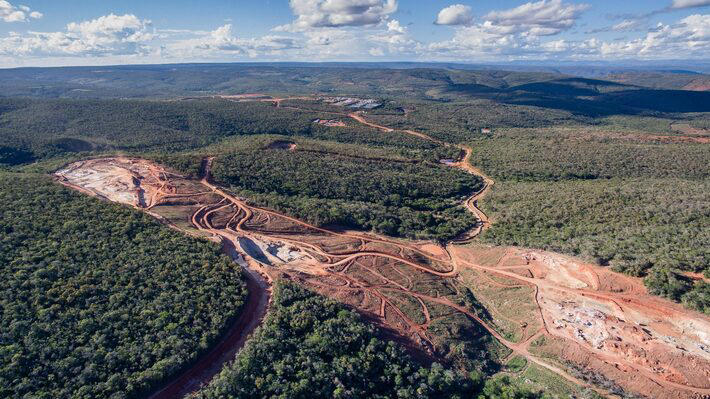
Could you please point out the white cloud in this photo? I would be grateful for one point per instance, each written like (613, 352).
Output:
(542, 18)
(221, 42)
(456, 14)
(689, 3)
(106, 31)
(390, 39)
(338, 13)
(478, 41)
(395, 26)
(10, 13)
(107, 35)
(689, 38)
(352, 29)
(556, 46)
(513, 32)
(340, 44)
(395, 41)
(626, 25)
(500, 39)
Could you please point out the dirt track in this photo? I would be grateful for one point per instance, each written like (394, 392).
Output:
(599, 320)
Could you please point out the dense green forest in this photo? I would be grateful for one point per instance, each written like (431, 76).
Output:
(636, 204)
(102, 301)
(99, 300)
(461, 121)
(313, 347)
(395, 197)
(526, 91)
(577, 153)
(40, 129)
(188, 162)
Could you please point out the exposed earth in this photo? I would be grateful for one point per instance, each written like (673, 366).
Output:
(585, 323)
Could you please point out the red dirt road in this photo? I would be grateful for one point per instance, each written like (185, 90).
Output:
(645, 344)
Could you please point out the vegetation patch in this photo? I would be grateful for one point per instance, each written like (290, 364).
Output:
(396, 198)
(99, 300)
(654, 227)
(40, 129)
(583, 154)
(637, 205)
(516, 364)
(312, 347)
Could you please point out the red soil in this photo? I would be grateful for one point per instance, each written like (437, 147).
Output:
(601, 322)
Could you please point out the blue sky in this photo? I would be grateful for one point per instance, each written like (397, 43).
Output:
(92, 32)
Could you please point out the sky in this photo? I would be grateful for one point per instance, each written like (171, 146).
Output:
(103, 32)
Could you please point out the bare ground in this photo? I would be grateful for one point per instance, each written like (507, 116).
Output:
(587, 317)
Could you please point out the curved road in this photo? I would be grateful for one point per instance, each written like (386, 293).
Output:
(250, 317)
(210, 364)
(259, 289)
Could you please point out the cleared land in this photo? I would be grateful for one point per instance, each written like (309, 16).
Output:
(576, 316)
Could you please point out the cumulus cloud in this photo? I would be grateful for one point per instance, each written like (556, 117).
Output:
(499, 38)
(107, 31)
(10, 13)
(689, 38)
(480, 40)
(338, 13)
(222, 41)
(511, 32)
(556, 46)
(456, 14)
(542, 18)
(678, 4)
(107, 35)
(389, 38)
(395, 26)
(395, 41)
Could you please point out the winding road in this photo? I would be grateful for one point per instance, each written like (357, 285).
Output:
(333, 272)
(201, 221)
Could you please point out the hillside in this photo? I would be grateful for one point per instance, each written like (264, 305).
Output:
(414, 232)
(675, 80)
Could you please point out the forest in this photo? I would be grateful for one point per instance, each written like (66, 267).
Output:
(41, 129)
(461, 121)
(99, 300)
(398, 198)
(310, 346)
(632, 202)
(102, 301)
(555, 154)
